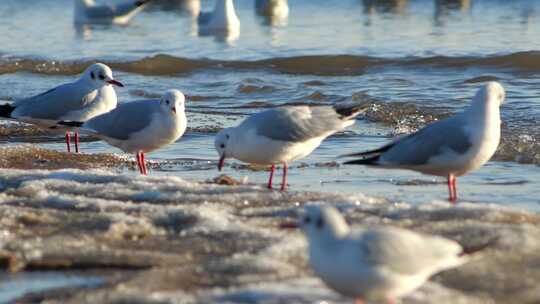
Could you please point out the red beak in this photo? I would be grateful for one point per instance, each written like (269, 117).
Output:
(174, 110)
(289, 225)
(221, 162)
(115, 82)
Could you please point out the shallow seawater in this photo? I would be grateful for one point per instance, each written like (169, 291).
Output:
(416, 61)
(14, 286)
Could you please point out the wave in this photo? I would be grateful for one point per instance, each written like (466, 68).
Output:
(323, 65)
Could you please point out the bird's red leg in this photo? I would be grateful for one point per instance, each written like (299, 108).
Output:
(272, 169)
(139, 162)
(390, 301)
(358, 301)
(76, 142)
(68, 142)
(284, 180)
(451, 188)
(449, 180)
(454, 180)
(143, 164)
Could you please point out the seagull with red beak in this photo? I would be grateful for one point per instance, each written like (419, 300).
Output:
(283, 135)
(139, 126)
(91, 95)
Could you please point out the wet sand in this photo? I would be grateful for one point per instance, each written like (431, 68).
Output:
(160, 240)
(31, 157)
(85, 228)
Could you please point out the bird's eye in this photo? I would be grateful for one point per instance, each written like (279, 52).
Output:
(307, 220)
(167, 101)
(101, 77)
(320, 223)
(222, 146)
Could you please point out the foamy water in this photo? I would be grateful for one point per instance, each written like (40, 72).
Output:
(426, 70)
(220, 244)
(414, 61)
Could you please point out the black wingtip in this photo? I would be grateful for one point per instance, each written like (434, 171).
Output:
(371, 153)
(141, 2)
(349, 111)
(364, 161)
(6, 110)
(68, 123)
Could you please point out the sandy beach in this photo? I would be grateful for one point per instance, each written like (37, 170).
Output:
(107, 237)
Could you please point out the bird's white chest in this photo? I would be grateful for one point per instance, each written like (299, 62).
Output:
(223, 18)
(487, 140)
(161, 131)
(341, 271)
(484, 139)
(349, 274)
(251, 147)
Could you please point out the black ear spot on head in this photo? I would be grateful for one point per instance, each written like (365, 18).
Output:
(227, 136)
(320, 223)
(92, 75)
(307, 220)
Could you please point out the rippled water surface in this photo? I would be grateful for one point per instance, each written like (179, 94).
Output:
(415, 61)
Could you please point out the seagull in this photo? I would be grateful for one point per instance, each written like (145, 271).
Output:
(139, 126)
(192, 7)
(275, 10)
(222, 20)
(377, 263)
(92, 94)
(450, 147)
(87, 11)
(283, 135)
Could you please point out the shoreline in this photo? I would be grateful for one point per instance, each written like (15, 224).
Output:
(520, 149)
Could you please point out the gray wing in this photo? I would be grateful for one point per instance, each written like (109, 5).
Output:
(124, 120)
(432, 140)
(295, 123)
(54, 103)
(406, 252)
(204, 18)
(112, 11)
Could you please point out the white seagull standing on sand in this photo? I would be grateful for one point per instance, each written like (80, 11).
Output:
(88, 11)
(283, 135)
(140, 126)
(223, 20)
(450, 147)
(92, 94)
(374, 264)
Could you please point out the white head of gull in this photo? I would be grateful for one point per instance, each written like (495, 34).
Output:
(375, 264)
(90, 95)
